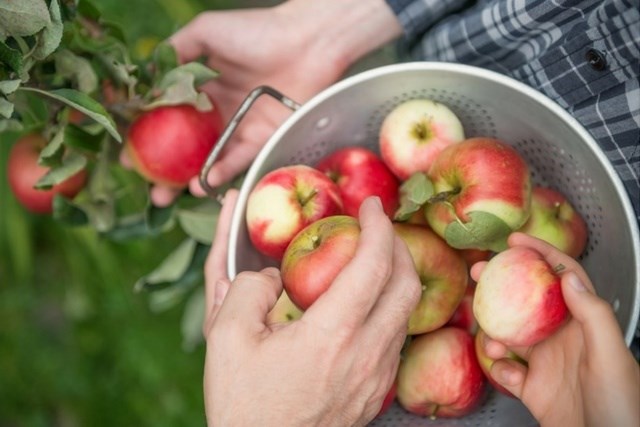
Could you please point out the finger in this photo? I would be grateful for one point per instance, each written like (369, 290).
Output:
(348, 301)
(249, 299)
(215, 267)
(509, 374)
(389, 318)
(162, 196)
(476, 270)
(497, 350)
(190, 42)
(599, 325)
(125, 160)
(220, 289)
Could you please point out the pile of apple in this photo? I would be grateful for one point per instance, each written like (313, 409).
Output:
(454, 201)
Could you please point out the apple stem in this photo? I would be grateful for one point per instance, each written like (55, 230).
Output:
(433, 413)
(304, 200)
(559, 268)
(443, 196)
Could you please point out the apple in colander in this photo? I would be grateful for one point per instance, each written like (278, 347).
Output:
(482, 193)
(414, 133)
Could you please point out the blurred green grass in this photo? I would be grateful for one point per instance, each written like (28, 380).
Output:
(77, 346)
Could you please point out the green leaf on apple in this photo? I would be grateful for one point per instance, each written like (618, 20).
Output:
(483, 231)
(85, 104)
(199, 221)
(180, 89)
(414, 193)
(69, 166)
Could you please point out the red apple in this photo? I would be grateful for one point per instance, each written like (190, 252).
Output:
(483, 193)
(414, 133)
(23, 172)
(284, 310)
(554, 220)
(443, 275)
(463, 316)
(486, 362)
(285, 201)
(388, 399)
(360, 173)
(168, 145)
(316, 255)
(518, 299)
(439, 375)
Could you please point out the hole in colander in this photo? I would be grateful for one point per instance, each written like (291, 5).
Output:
(323, 123)
(616, 305)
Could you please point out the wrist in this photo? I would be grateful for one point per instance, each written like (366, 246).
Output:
(342, 30)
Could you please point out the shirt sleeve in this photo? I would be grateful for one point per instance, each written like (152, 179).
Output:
(416, 16)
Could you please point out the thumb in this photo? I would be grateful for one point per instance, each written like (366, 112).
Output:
(510, 374)
(595, 315)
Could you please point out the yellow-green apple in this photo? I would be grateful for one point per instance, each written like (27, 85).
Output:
(168, 145)
(315, 257)
(482, 193)
(361, 173)
(518, 299)
(439, 375)
(554, 220)
(463, 316)
(486, 362)
(285, 201)
(414, 133)
(24, 171)
(443, 275)
(284, 310)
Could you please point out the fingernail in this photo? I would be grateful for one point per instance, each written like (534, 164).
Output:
(575, 282)
(377, 201)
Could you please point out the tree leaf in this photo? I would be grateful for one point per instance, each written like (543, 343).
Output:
(6, 108)
(193, 319)
(483, 231)
(51, 154)
(75, 136)
(159, 219)
(199, 222)
(201, 74)
(22, 18)
(9, 86)
(181, 91)
(164, 58)
(172, 268)
(83, 103)
(77, 69)
(68, 213)
(50, 37)
(70, 165)
(87, 9)
(32, 108)
(9, 125)
(11, 57)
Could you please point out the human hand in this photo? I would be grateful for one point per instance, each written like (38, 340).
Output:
(582, 375)
(332, 367)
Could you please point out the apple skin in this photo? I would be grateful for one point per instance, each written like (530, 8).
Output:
(463, 316)
(315, 257)
(23, 172)
(414, 133)
(484, 190)
(554, 220)
(285, 201)
(168, 145)
(518, 299)
(439, 375)
(443, 275)
(284, 310)
(388, 399)
(360, 173)
(486, 363)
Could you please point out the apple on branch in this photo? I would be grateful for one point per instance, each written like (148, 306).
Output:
(518, 299)
(554, 220)
(443, 275)
(414, 133)
(285, 201)
(316, 255)
(439, 375)
(360, 173)
(482, 193)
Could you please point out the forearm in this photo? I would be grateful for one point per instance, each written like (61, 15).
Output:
(345, 30)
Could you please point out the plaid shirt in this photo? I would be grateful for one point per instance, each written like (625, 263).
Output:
(584, 54)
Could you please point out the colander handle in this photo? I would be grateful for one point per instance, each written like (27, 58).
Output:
(231, 127)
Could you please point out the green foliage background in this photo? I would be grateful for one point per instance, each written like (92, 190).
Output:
(77, 346)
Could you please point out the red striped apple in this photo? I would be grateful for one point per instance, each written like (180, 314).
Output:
(168, 145)
(285, 201)
(23, 172)
(554, 220)
(315, 257)
(463, 316)
(518, 299)
(414, 133)
(443, 275)
(486, 362)
(439, 375)
(482, 193)
(360, 173)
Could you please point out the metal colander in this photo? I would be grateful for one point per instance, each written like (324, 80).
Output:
(560, 152)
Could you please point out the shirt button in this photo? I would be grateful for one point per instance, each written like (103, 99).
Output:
(596, 59)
